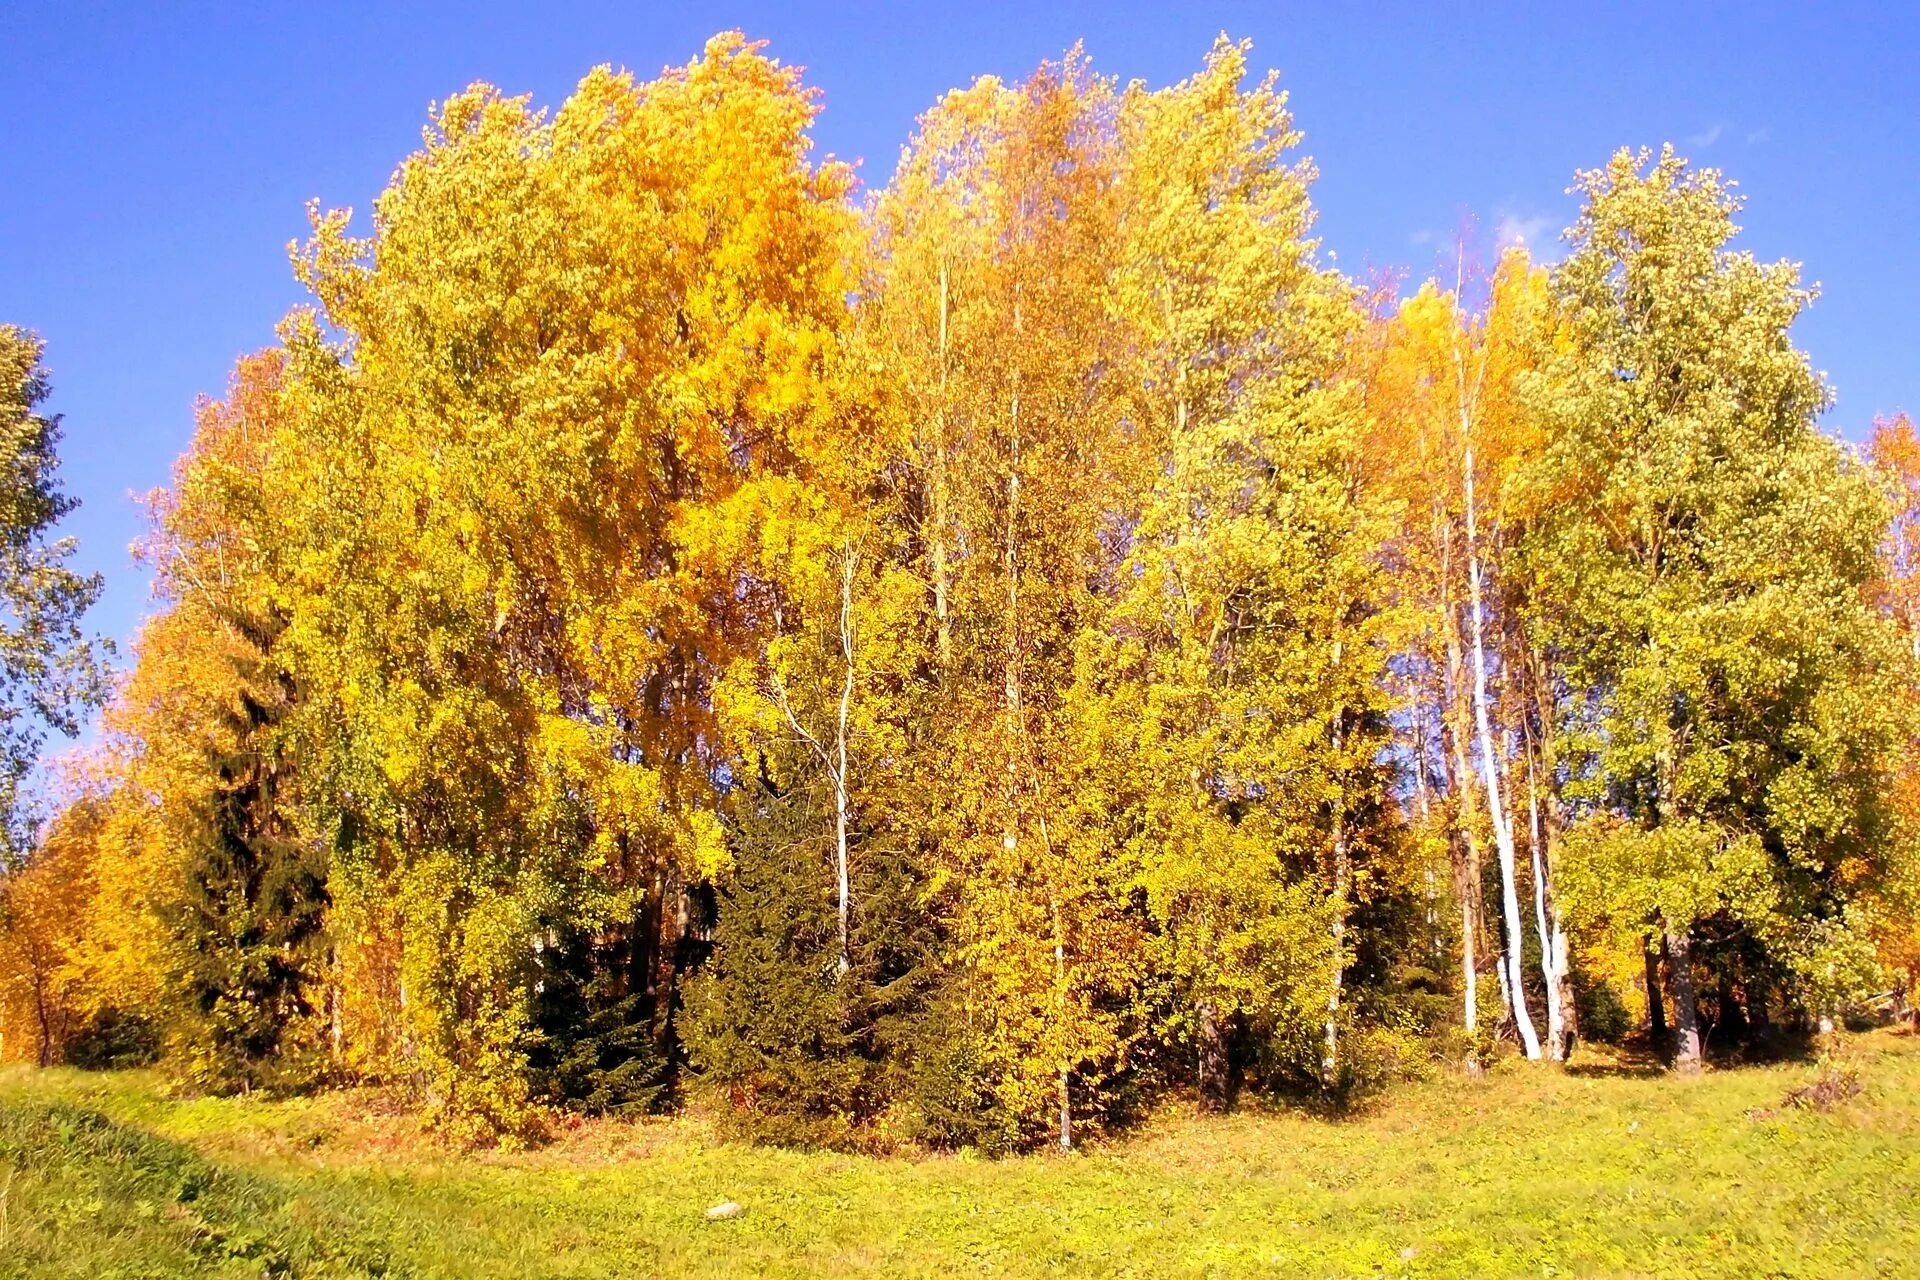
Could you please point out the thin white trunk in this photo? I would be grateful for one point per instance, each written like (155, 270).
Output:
(1330, 1042)
(1562, 967)
(1490, 773)
(1342, 875)
(849, 567)
(834, 757)
(1462, 787)
(1060, 997)
(1016, 732)
(1549, 952)
(1467, 398)
(943, 630)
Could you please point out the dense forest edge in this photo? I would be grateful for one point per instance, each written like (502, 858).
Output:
(961, 665)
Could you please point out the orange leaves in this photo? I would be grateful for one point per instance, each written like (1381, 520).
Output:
(1895, 449)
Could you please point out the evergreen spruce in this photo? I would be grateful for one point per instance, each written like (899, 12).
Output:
(599, 1047)
(793, 1051)
(249, 933)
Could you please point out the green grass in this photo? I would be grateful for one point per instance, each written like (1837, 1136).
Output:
(1590, 1171)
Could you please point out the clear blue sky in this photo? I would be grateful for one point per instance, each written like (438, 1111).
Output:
(156, 158)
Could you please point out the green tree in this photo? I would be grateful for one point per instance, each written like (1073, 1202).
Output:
(50, 672)
(796, 1039)
(1699, 554)
(249, 927)
(1232, 696)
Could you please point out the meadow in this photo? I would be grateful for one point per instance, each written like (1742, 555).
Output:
(1604, 1167)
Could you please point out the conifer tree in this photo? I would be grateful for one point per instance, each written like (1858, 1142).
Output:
(248, 932)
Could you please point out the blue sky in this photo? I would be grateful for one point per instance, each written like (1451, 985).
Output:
(157, 158)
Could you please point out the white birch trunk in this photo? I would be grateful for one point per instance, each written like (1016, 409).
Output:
(943, 629)
(1511, 970)
(1550, 953)
(849, 567)
(1342, 876)
(1490, 781)
(1462, 788)
(834, 757)
(1060, 986)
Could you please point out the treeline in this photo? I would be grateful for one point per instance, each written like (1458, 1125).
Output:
(957, 665)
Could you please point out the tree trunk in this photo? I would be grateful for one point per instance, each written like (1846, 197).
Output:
(1060, 981)
(1656, 1007)
(1556, 960)
(844, 884)
(643, 964)
(1330, 1038)
(1569, 1033)
(1471, 981)
(45, 1055)
(1216, 1085)
(1455, 733)
(1550, 821)
(1423, 807)
(1759, 1020)
(1496, 804)
(1467, 882)
(849, 568)
(1066, 1109)
(1501, 971)
(1687, 1057)
(1550, 953)
(833, 756)
(943, 630)
(1342, 880)
(1016, 734)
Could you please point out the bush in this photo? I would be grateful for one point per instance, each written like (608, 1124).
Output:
(1603, 1016)
(113, 1039)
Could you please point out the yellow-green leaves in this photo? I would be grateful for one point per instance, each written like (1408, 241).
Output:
(1042, 626)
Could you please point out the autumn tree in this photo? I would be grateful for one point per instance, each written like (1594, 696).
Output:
(566, 345)
(1894, 450)
(1001, 223)
(1231, 697)
(46, 906)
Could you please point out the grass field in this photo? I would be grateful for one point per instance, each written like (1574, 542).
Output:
(1600, 1169)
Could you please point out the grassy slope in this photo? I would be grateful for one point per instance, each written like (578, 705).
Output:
(1537, 1172)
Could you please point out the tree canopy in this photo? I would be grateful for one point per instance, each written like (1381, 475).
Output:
(957, 663)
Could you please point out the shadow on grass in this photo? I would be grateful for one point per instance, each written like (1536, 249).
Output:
(1635, 1058)
(159, 1199)
(1637, 1069)
(1638, 1058)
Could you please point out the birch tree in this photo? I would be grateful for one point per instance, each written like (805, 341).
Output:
(1235, 690)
